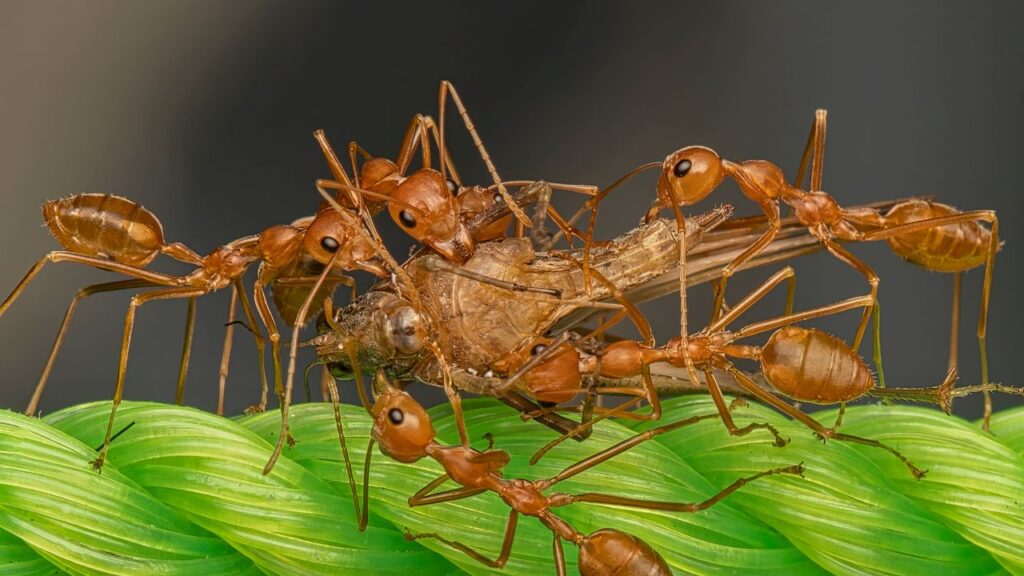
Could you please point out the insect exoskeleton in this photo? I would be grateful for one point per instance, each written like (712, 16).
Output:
(810, 365)
(105, 226)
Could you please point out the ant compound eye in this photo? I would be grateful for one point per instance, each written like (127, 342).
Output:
(682, 167)
(407, 219)
(452, 187)
(538, 349)
(396, 416)
(329, 244)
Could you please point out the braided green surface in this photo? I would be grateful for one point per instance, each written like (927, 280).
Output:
(183, 493)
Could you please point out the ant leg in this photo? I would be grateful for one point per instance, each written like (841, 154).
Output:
(267, 317)
(362, 513)
(592, 205)
(612, 451)
(815, 143)
(437, 264)
(126, 340)
(827, 310)
(839, 418)
(785, 274)
(424, 497)
(771, 211)
(154, 278)
(954, 324)
(586, 423)
(824, 433)
(725, 412)
(845, 256)
(286, 399)
(260, 346)
(225, 354)
(446, 90)
(417, 138)
(598, 498)
(506, 545)
(186, 350)
(559, 556)
(66, 323)
(334, 164)
(354, 151)
(876, 343)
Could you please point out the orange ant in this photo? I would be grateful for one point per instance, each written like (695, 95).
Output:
(405, 433)
(431, 205)
(117, 235)
(935, 236)
(807, 365)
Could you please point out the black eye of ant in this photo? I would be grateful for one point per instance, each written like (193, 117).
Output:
(396, 416)
(682, 167)
(407, 219)
(538, 349)
(329, 244)
(452, 187)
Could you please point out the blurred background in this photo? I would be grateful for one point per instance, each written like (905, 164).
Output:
(203, 112)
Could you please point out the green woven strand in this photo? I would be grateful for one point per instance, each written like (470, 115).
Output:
(847, 514)
(720, 540)
(183, 491)
(286, 522)
(88, 523)
(976, 483)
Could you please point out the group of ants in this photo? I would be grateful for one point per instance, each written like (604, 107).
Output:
(297, 261)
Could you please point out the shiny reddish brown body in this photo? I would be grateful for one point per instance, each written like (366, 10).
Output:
(105, 226)
(612, 553)
(813, 366)
(950, 248)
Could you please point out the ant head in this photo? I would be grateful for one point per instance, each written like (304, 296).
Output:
(329, 232)
(689, 175)
(378, 170)
(425, 209)
(401, 426)
(477, 199)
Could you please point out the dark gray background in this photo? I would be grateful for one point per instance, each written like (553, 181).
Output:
(203, 112)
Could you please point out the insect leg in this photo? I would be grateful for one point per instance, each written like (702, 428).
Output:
(66, 323)
(129, 324)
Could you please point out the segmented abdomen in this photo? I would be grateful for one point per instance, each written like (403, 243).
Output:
(105, 226)
(949, 248)
(814, 366)
(610, 552)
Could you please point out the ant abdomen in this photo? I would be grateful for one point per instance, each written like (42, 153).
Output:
(105, 226)
(951, 248)
(610, 552)
(810, 365)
